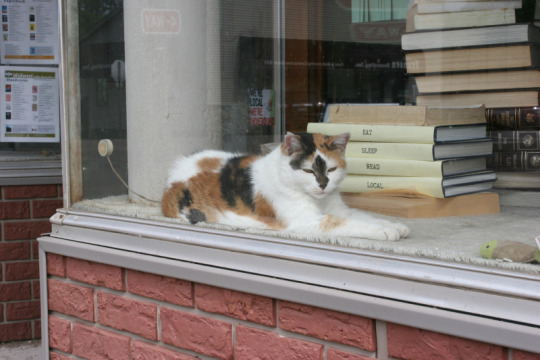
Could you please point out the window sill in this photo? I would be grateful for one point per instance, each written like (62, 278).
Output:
(485, 304)
(29, 169)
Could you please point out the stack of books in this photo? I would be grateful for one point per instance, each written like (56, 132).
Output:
(516, 146)
(482, 56)
(418, 154)
(475, 54)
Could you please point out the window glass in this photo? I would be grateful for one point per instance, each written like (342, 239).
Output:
(167, 79)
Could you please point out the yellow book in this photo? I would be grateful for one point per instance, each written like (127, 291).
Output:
(402, 133)
(439, 187)
(425, 152)
(375, 166)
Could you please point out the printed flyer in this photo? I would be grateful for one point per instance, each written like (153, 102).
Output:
(30, 108)
(261, 107)
(29, 32)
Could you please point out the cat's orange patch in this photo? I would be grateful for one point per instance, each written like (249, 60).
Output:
(209, 164)
(330, 222)
(266, 213)
(324, 144)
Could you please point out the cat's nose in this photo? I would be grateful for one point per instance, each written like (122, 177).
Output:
(322, 186)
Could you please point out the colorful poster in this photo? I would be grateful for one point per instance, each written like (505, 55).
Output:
(261, 107)
(30, 108)
(29, 32)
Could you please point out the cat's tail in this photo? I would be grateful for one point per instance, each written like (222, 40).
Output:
(174, 199)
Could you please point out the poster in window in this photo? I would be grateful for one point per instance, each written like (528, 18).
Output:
(261, 107)
(30, 109)
(29, 32)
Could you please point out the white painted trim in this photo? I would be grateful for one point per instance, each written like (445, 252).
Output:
(455, 299)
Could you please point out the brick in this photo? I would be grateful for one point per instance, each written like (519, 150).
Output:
(37, 329)
(243, 306)
(23, 310)
(15, 251)
(60, 334)
(71, 299)
(30, 191)
(14, 210)
(15, 291)
(26, 230)
(524, 355)
(258, 344)
(15, 331)
(174, 291)
(198, 333)
(56, 265)
(126, 314)
(25, 270)
(97, 344)
(328, 325)
(45, 208)
(334, 354)
(94, 273)
(411, 343)
(56, 356)
(145, 351)
(36, 293)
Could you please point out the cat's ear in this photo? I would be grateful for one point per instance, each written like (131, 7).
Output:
(292, 143)
(339, 142)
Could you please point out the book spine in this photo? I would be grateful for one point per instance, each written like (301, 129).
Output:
(377, 133)
(397, 151)
(515, 140)
(514, 161)
(376, 166)
(513, 118)
(431, 186)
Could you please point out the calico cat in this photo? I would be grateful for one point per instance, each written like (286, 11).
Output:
(294, 188)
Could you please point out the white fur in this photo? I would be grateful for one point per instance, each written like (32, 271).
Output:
(186, 167)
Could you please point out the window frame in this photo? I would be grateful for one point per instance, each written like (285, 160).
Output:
(484, 304)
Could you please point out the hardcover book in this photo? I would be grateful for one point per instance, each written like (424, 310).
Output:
(427, 7)
(473, 36)
(439, 187)
(402, 133)
(425, 152)
(446, 20)
(514, 140)
(409, 204)
(473, 59)
(478, 81)
(404, 115)
(513, 118)
(393, 167)
(492, 99)
(514, 160)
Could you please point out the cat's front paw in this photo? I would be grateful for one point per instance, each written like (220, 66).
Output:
(402, 229)
(387, 234)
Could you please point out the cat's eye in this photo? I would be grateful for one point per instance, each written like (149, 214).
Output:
(332, 169)
(309, 171)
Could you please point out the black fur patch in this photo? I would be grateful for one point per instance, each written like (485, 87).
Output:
(196, 216)
(319, 169)
(308, 148)
(236, 183)
(186, 199)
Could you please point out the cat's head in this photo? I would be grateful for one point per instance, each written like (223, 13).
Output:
(315, 162)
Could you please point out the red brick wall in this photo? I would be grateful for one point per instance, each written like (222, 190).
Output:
(100, 311)
(24, 215)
